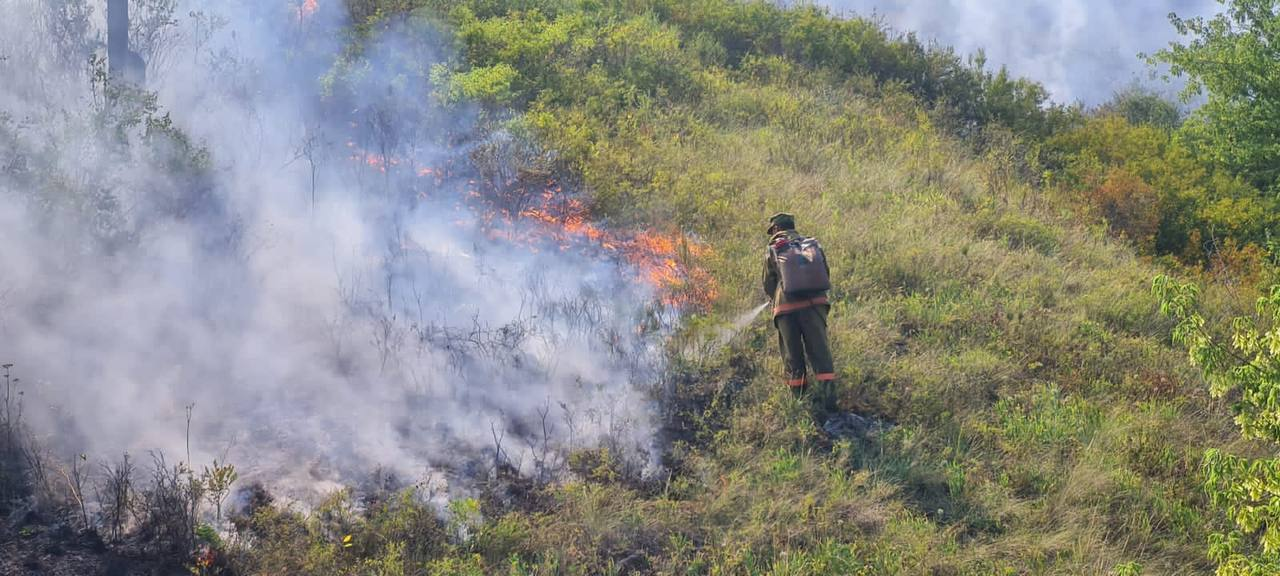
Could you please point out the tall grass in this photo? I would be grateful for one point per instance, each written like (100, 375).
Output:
(1043, 423)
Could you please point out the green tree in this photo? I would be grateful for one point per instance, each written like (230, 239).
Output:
(1235, 58)
(1248, 371)
(1139, 105)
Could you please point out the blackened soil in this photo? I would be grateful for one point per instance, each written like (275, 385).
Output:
(33, 545)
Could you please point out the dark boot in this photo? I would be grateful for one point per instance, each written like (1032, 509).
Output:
(823, 402)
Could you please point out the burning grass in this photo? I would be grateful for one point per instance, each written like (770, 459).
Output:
(667, 261)
(307, 8)
(545, 215)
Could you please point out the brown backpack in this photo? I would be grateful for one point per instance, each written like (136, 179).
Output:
(802, 267)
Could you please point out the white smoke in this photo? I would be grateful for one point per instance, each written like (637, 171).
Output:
(1081, 50)
(319, 316)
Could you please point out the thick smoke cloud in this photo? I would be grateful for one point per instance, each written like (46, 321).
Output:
(321, 296)
(1081, 50)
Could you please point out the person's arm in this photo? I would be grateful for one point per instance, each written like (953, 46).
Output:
(826, 264)
(770, 275)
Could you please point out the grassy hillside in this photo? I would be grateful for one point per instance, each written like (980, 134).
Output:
(1044, 423)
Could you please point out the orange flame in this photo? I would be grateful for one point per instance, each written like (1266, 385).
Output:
(666, 261)
(307, 8)
(378, 162)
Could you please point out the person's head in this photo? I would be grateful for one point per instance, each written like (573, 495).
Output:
(781, 221)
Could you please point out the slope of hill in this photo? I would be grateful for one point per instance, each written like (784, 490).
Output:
(1042, 421)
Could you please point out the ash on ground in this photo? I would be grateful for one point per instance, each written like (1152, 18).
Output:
(850, 425)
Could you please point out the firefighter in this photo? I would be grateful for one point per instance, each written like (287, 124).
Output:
(801, 320)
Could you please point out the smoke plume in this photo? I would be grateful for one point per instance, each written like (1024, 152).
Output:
(1081, 50)
(291, 251)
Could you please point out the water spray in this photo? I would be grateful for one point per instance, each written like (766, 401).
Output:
(745, 319)
(727, 333)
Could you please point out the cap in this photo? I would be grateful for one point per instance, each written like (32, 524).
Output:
(782, 220)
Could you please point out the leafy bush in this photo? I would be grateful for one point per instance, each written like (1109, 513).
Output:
(1144, 181)
(1248, 369)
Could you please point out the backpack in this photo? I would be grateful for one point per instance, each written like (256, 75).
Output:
(802, 267)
